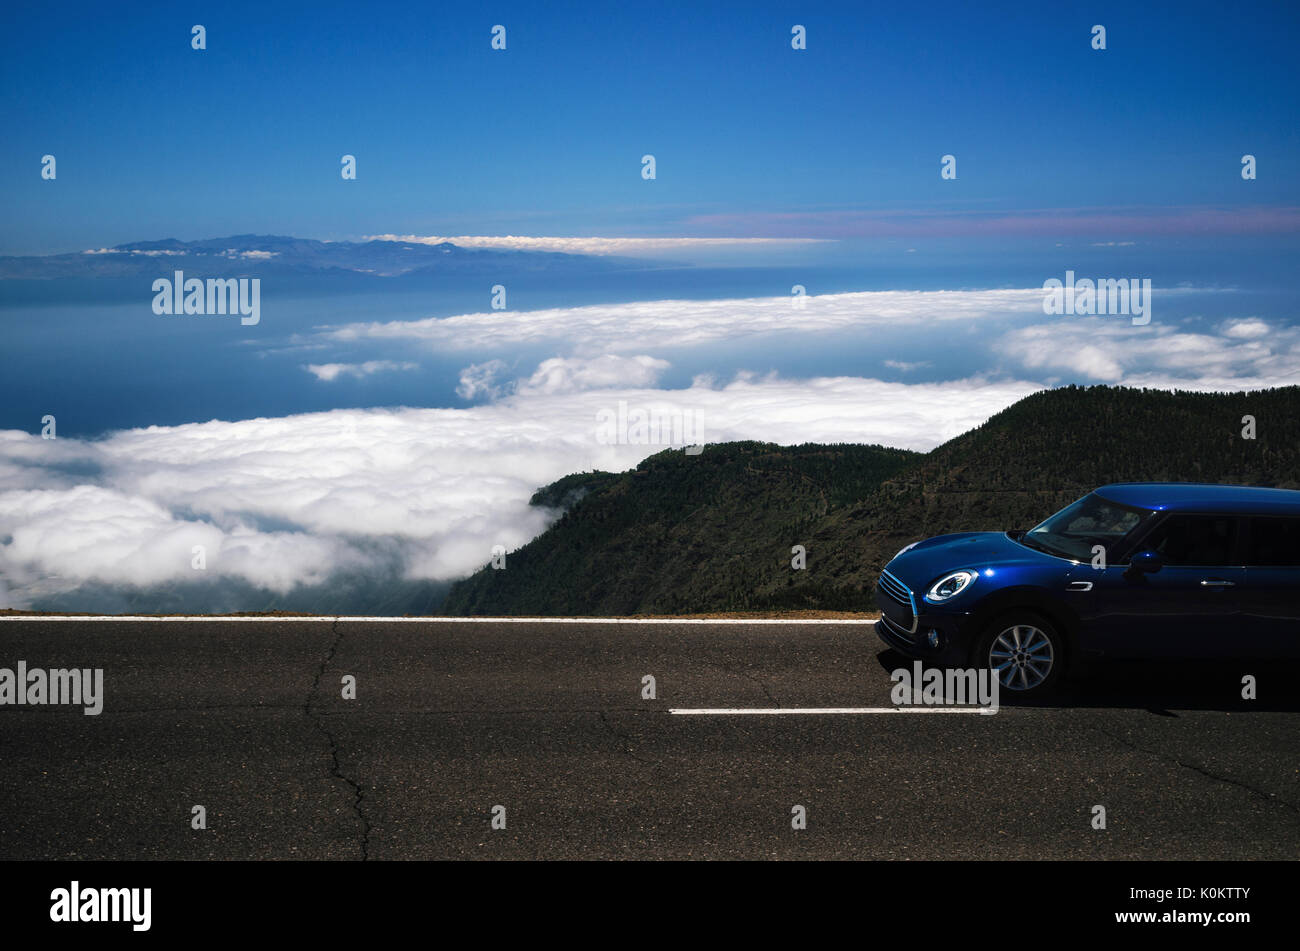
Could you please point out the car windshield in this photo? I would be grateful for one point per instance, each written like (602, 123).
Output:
(1074, 531)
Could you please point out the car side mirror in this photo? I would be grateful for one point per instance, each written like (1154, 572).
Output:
(1145, 562)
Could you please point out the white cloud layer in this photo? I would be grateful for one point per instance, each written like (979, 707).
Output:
(1237, 355)
(278, 502)
(653, 325)
(594, 245)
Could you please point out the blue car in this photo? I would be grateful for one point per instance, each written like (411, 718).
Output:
(1130, 570)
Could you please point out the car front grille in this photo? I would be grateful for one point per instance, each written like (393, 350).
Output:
(897, 604)
(895, 588)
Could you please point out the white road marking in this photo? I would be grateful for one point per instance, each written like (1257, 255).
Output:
(814, 711)
(431, 620)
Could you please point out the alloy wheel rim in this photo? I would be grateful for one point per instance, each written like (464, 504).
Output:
(1022, 656)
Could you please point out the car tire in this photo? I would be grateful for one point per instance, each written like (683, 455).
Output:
(1027, 653)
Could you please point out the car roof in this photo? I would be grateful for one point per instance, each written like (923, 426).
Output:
(1203, 497)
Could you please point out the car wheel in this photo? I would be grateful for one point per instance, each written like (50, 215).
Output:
(1025, 652)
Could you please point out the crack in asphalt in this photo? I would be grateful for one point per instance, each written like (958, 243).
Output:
(748, 676)
(627, 741)
(336, 768)
(1271, 798)
(762, 686)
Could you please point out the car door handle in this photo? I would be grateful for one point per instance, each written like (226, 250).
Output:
(1217, 583)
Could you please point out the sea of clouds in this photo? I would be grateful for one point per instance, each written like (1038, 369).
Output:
(282, 502)
(425, 494)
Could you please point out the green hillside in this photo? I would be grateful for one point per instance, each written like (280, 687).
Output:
(679, 532)
(713, 532)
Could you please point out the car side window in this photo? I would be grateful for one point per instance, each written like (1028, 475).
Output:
(1273, 542)
(1194, 540)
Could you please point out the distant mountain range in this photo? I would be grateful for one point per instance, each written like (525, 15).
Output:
(714, 532)
(274, 254)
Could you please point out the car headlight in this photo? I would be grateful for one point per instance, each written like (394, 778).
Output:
(950, 585)
(905, 548)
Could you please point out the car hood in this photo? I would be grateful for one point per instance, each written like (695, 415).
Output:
(929, 560)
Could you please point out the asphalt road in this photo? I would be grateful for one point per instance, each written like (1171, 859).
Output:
(546, 719)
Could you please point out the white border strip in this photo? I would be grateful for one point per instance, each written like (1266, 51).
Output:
(818, 711)
(426, 620)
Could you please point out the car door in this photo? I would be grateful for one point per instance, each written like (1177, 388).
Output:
(1183, 610)
(1270, 596)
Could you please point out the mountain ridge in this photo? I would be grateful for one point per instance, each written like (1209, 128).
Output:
(271, 254)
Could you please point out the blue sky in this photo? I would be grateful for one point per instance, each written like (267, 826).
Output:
(154, 139)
